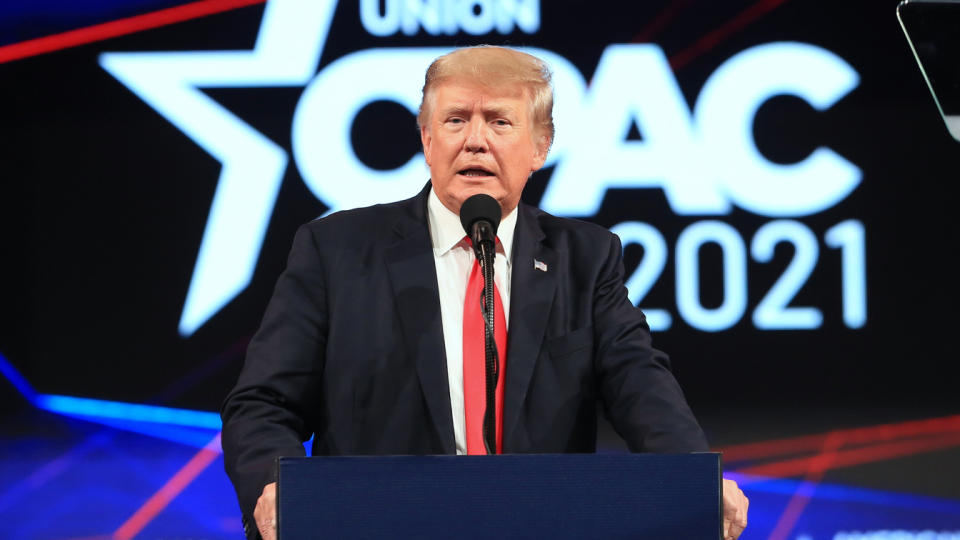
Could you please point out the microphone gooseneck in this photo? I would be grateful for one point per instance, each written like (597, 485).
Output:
(480, 217)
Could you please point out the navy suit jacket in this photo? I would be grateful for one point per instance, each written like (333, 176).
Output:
(351, 349)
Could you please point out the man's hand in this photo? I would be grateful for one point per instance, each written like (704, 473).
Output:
(265, 514)
(735, 505)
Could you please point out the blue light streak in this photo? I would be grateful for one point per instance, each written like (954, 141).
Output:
(98, 409)
(16, 379)
(846, 494)
(76, 406)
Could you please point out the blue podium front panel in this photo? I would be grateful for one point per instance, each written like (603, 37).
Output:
(514, 496)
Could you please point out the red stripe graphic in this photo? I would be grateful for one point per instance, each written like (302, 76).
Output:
(855, 436)
(729, 28)
(155, 504)
(856, 456)
(815, 469)
(119, 27)
(659, 23)
(812, 456)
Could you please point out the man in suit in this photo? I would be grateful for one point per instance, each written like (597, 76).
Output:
(363, 343)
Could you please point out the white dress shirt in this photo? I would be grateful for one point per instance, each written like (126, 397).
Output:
(454, 259)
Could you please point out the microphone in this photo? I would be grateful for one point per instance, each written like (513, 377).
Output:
(480, 217)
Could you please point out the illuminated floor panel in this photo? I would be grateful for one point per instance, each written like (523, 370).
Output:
(834, 509)
(65, 478)
(90, 479)
(207, 508)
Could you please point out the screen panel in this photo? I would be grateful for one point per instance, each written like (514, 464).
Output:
(778, 192)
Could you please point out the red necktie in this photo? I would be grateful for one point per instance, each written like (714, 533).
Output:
(474, 357)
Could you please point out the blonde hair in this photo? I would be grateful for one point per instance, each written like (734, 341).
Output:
(493, 67)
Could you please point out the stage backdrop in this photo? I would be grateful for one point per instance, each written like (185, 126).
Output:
(776, 169)
(781, 188)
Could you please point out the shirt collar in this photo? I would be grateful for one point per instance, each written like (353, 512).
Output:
(446, 232)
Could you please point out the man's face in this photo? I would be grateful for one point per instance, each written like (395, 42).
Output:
(481, 140)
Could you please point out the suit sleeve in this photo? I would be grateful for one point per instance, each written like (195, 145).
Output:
(642, 399)
(275, 405)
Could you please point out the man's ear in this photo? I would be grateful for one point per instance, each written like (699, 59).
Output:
(425, 139)
(540, 153)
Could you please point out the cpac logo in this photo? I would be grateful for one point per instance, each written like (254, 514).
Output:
(704, 160)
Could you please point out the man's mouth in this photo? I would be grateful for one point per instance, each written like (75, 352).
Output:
(475, 172)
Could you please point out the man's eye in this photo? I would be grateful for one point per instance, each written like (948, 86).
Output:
(455, 120)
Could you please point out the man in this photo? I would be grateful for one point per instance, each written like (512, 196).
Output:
(363, 343)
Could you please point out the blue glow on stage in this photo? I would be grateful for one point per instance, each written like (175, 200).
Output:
(163, 422)
(16, 379)
(846, 494)
(86, 407)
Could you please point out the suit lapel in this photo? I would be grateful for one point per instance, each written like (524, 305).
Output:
(413, 276)
(531, 299)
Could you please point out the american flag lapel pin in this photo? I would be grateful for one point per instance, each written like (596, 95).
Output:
(539, 265)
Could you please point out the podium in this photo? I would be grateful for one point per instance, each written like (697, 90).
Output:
(646, 496)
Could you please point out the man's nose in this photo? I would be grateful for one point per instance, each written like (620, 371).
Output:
(477, 137)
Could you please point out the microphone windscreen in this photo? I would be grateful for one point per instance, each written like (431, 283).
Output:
(480, 207)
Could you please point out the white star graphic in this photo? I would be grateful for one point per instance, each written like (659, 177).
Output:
(291, 38)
